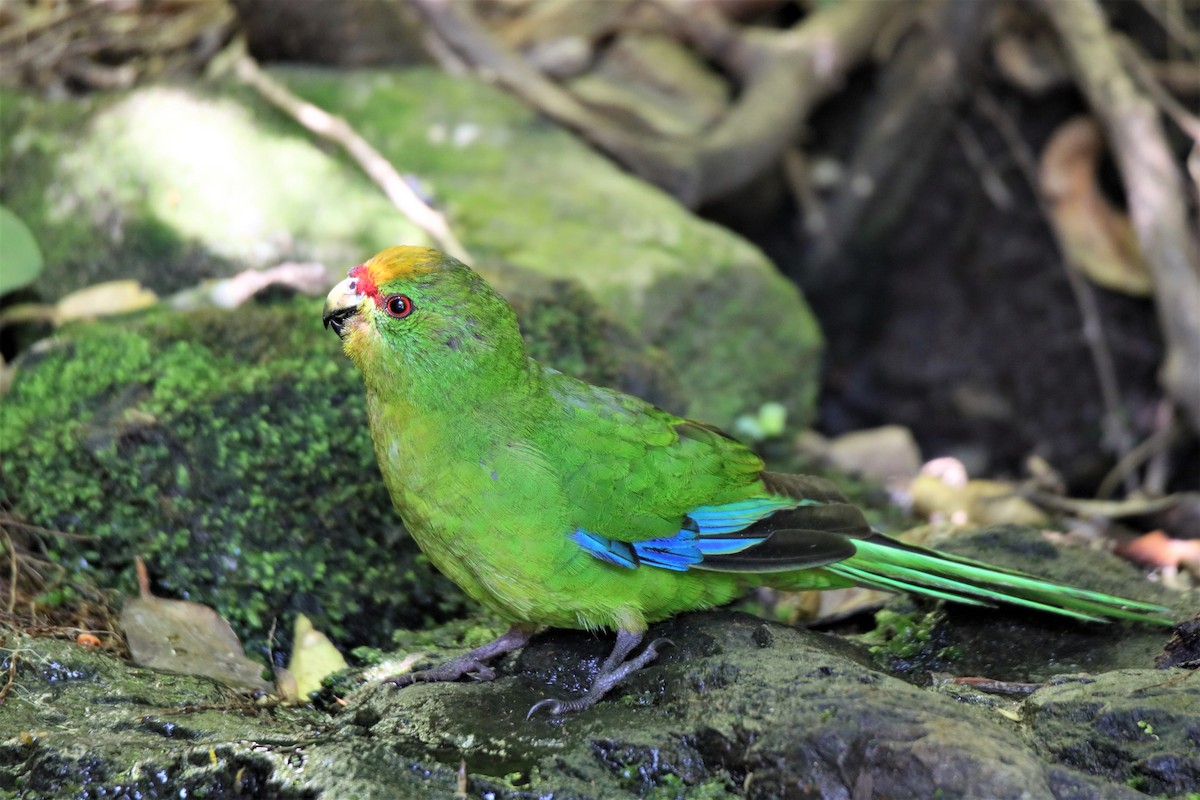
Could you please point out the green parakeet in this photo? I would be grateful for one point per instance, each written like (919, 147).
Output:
(557, 503)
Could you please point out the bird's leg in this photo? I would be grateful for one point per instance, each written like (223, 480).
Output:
(473, 663)
(614, 670)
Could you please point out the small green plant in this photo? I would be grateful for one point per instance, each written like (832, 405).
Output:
(767, 423)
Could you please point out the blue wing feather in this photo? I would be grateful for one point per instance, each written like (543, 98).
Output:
(605, 549)
(702, 535)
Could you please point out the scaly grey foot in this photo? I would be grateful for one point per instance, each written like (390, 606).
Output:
(472, 664)
(614, 670)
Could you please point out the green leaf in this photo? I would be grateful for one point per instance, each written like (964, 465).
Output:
(20, 257)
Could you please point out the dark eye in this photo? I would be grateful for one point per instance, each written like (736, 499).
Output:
(398, 305)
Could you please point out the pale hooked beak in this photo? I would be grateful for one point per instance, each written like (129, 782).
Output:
(340, 304)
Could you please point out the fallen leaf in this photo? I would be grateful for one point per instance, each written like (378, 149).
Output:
(1157, 549)
(1106, 509)
(945, 496)
(104, 299)
(1094, 236)
(186, 637)
(313, 659)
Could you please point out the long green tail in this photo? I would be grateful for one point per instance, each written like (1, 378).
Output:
(883, 563)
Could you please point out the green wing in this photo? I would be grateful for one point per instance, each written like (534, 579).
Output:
(685, 494)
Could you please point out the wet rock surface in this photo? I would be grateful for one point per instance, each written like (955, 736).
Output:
(738, 707)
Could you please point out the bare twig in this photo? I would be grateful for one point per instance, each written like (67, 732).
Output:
(1105, 509)
(1147, 449)
(989, 177)
(1153, 185)
(798, 175)
(1178, 76)
(1173, 24)
(1158, 471)
(993, 686)
(12, 676)
(1188, 122)
(143, 578)
(461, 783)
(1116, 425)
(378, 168)
(1135, 62)
(6, 519)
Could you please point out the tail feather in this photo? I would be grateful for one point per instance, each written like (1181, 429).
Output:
(883, 563)
(877, 581)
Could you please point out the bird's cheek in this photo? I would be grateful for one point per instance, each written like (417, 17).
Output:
(358, 339)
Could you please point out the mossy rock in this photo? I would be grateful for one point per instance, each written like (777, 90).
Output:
(227, 449)
(737, 707)
(171, 185)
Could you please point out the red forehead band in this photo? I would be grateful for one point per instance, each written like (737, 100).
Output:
(364, 283)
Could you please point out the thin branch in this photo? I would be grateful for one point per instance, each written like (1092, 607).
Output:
(989, 177)
(1116, 425)
(12, 676)
(378, 168)
(1135, 62)
(799, 179)
(1150, 447)
(1173, 24)
(6, 519)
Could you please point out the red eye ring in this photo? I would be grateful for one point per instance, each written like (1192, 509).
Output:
(398, 305)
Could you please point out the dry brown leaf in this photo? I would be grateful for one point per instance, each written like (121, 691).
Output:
(186, 637)
(1095, 237)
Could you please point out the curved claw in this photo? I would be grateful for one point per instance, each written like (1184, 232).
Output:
(482, 673)
(555, 707)
(400, 681)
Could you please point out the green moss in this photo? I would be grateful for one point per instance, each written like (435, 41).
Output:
(672, 787)
(901, 636)
(230, 451)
